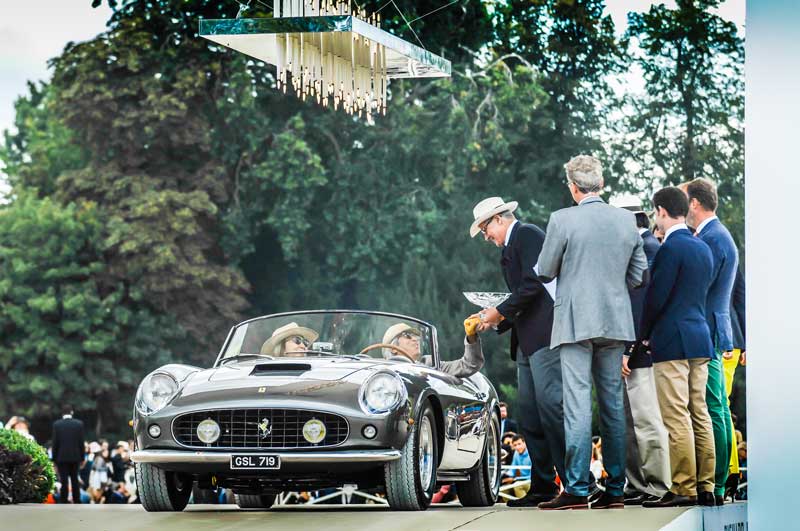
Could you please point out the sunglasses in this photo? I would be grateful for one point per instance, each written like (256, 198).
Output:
(300, 340)
(409, 335)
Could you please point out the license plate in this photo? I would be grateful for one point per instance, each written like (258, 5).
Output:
(255, 462)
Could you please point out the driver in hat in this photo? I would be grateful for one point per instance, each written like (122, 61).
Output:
(407, 339)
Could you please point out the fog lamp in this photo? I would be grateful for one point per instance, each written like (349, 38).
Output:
(154, 430)
(314, 431)
(208, 431)
(370, 431)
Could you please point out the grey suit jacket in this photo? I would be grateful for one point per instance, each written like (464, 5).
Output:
(470, 363)
(596, 253)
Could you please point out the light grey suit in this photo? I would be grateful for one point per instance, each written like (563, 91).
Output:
(470, 363)
(595, 252)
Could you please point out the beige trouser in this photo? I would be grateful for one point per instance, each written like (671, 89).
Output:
(681, 386)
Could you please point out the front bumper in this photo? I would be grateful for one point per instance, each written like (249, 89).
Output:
(330, 457)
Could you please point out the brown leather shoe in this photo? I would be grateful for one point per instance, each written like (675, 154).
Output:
(607, 501)
(565, 501)
(671, 499)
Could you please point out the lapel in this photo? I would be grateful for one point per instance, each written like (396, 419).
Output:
(505, 256)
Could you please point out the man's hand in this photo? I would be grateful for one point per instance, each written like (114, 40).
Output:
(625, 370)
(743, 359)
(490, 316)
(728, 354)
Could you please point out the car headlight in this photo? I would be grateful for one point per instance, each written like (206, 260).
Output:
(381, 393)
(155, 392)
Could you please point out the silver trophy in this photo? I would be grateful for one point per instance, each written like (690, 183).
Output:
(486, 299)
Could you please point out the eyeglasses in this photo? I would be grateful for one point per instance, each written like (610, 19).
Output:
(409, 335)
(486, 225)
(300, 340)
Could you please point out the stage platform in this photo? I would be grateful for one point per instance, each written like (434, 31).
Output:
(367, 518)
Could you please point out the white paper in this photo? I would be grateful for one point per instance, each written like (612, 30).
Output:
(550, 286)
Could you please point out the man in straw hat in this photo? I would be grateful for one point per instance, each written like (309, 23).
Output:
(407, 338)
(596, 253)
(289, 341)
(528, 313)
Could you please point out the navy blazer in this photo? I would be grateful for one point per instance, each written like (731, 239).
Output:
(674, 318)
(640, 358)
(68, 440)
(528, 311)
(718, 302)
(737, 312)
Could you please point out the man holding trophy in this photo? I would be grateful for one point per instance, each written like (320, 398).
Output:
(528, 313)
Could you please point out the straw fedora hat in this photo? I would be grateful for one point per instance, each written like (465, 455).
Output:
(628, 202)
(272, 345)
(396, 329)
(486, 209)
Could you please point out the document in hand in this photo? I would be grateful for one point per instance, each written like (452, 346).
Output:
(550, 286)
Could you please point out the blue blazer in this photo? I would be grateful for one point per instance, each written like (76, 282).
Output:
(641, 359)
(718, 303)
(674, 318)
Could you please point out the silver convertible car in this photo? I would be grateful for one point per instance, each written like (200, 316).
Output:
(318, 399)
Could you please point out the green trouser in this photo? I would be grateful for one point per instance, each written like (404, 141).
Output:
(717, 400)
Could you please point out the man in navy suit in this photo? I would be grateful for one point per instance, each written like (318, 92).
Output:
(702, 195)
(647, 460)
(528, 313)
(68, 447)
(674, 327)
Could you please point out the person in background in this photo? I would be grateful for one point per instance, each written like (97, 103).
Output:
(120, 462)
(647, 463)
(674, 328)
(739, 355)
(507, 423)
(597, 254)
(521, 459)
(20, 425)
(703, 200)
(68, 448)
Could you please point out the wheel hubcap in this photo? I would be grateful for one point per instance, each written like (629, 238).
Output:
(425, 453)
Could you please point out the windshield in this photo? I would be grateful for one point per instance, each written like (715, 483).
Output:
(315, 334)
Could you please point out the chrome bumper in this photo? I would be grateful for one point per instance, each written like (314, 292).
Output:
(187, 456)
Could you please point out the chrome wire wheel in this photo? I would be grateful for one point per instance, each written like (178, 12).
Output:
(426, 453)
(494, 457)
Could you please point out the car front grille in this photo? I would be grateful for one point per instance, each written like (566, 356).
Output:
(239, 428)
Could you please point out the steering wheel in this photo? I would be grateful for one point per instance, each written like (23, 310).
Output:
(399, 349)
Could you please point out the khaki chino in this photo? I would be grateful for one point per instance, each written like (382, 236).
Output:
(681, 386)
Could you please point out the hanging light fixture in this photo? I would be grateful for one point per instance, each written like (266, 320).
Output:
(326, 52)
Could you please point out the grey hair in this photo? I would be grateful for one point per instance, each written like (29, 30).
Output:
(508, 215)
(585, 172)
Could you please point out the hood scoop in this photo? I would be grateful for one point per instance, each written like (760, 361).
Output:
(280, 369)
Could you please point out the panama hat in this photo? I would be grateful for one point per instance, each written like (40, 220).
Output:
(628, 202)
(486, 209)
(272, 345)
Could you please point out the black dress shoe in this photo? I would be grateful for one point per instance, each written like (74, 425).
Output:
(635, 498)
(565, 501)
(607, 501)
(671, 499)
(532, 499)
(719, 500)
(706, 499)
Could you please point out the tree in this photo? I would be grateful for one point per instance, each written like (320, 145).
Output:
(689, 123)
(71, 333)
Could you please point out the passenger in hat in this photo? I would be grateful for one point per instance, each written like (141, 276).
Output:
(291, 341)
(407, 338)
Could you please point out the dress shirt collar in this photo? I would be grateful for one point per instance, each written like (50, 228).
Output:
(703, 224)
(673, 228)
(67, 417)
(509, 231)
(642, 230)
(590, 198)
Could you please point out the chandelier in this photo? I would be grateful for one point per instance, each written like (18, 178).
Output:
(326, 51)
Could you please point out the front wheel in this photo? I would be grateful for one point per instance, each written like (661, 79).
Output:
(483, 486)
(160, 490)
(254, 501)
(410, 480)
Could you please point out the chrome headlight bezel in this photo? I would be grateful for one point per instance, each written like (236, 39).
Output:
(146, 404)
(366, 394)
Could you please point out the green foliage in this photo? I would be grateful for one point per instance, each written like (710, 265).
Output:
(31, 479)
(690, 121)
